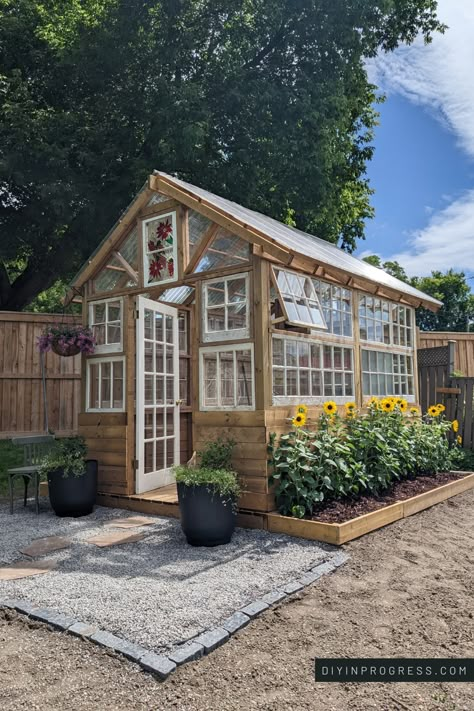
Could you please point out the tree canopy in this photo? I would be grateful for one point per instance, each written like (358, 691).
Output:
(266, 102)
(451, 287)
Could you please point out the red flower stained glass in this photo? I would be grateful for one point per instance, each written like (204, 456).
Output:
(171, 267)
(155, 269)
(164, 230)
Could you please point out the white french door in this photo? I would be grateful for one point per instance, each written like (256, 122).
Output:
(157, 402)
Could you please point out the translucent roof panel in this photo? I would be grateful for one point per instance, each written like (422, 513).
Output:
(225, 250)
(302, 243)
(156, 198)
(299, 299)
(129, 249)
(198, 225)
(178, 295)
(113, 277)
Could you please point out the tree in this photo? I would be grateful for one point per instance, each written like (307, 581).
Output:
(266, 102)
(451, 287)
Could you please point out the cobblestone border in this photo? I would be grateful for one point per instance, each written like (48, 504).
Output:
(162, 665)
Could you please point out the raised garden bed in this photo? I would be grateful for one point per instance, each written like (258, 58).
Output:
(385, 513)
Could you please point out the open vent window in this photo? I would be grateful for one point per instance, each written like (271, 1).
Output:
(298, 299)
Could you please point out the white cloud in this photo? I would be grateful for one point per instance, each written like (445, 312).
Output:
(447, 241)
(440, 78)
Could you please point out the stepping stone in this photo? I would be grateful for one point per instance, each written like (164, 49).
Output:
(42, 546)
(25, 569)
(130, 522)
(114, 538)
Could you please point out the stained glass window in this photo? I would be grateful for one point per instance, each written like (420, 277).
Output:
(159, 248)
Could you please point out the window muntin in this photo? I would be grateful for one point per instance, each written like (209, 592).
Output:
(227, 378)
(381, 321)
(226, 312)
(106, 322)
(387, 374)
(303, 369)
(299, 299)
(337, 307)
(160, 249)
(105, 391)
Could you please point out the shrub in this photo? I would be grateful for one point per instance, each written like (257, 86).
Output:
(222, 482)
(356, 454)
(217, 454)
(68, 454)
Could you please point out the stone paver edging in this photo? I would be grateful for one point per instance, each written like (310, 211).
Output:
(161, 665)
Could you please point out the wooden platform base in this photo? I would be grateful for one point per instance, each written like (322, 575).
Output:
(339, 533)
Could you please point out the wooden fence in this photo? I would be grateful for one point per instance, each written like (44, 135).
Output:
(21, 388)
(463, 347)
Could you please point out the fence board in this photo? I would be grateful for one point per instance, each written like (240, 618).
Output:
(21, 394)
(463, 348)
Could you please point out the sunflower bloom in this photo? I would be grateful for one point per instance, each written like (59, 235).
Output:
(299, 420)
(402, 404)
(414, 411)
(433, 411)
(330, 407)
(441, 408)
(459, 439)
(373, 402)
(455, 425)
(302, 410)
(388, 405)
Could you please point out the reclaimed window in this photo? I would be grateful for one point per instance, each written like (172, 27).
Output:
(387, 374)
(299, 299)
(310, 371)
(225, 250)
(105, 391)
(336, 302)
(225, 308)
(159, 249)
(384, 322)
(184, 357)
(106, 322)
(227, 378)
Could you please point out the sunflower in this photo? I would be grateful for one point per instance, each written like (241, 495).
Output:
(388, 405)
(302, 410)
(330, 407)
(441, 408)
(299, 420)
(350, 409)
(401, 404)
(455, 425)
(459, 439)
(433, 411)
(414, 411)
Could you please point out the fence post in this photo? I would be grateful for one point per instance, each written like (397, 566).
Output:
(451, 357)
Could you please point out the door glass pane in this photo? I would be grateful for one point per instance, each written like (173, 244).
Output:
(148, 327)
(170, 359)
(160, 390)
(149, 464)
(149, 434)
(148, 357)
(169, 329)
(158, 328)
(148, 389)
(160, 455)
(159, 424)
(170, 391)
(159, 361)
(169, 423)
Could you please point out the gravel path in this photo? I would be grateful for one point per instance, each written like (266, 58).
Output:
(157, 592)
(407, 590)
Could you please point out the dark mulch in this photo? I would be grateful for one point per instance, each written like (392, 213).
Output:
(344, 510)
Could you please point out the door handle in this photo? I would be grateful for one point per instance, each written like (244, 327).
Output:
(179, 402)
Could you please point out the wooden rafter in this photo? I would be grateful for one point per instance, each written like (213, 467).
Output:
(201, 248)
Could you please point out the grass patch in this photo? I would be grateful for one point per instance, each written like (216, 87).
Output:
(10, 456)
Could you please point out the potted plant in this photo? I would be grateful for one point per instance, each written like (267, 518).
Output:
(208, 496)
(67, 340)
(72, 479)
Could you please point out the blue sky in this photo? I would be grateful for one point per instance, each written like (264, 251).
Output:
(423, 167)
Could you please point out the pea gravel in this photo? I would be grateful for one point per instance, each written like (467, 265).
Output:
(157, 592)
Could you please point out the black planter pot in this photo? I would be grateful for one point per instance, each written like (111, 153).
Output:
(206, 520)
(73, 495)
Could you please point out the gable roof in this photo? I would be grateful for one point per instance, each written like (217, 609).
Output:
(260, 227)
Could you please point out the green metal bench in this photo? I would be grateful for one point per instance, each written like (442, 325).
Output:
(34, 449)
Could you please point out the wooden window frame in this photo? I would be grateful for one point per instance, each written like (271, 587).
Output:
(393, 354)
(315, 399)
(225, 335)
(98, 361)
(231, 348)
(107, 347)
(174, 222)
(392, 324)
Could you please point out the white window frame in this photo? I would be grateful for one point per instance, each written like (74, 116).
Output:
(226, 334)
(225, 349)
(314, 299)
(315, 399)
(393, 354)
(99, 361)
(145, 251)
(392, 325)
(107, 347)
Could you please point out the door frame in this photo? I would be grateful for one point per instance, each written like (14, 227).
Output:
(165, 476)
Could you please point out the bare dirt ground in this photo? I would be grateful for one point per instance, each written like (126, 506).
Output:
(407, 591)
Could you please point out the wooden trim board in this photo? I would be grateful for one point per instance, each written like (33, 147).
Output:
(339, 533)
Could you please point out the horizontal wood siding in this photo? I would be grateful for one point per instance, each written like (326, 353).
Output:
(463, 350)
(21, 390)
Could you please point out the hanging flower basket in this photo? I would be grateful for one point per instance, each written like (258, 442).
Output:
(67, 340)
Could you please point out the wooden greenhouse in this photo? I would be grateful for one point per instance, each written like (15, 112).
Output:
(213, 319)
